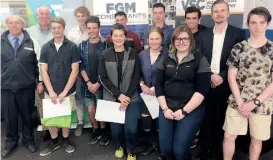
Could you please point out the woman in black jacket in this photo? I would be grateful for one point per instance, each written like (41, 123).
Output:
(183, 79)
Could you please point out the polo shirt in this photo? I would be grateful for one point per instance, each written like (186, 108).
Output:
(59, 63)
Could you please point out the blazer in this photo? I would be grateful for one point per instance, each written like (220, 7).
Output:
(233, 36)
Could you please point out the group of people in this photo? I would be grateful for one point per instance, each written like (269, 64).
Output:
(207, 79)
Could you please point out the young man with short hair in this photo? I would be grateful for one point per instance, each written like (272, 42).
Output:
(132, 39)
(192, 20)
(59, 68)
(251, 82)
(91, 51)
(78, 35)
(159, 21)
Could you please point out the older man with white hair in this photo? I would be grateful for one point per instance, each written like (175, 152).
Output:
(19, 77)
(41, 32)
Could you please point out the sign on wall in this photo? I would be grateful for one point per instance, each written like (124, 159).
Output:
(136, 10)
(236, 8)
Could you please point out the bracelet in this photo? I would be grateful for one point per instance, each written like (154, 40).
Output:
(87, 81)
(164, 110)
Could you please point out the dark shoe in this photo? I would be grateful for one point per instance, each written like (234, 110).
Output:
(30, 146)
(50, 147)
(151, 147)
(69, 148)
(78, 130)
(204, 155)
(45, 135)
(104, 138)
(7, 152)
(95, 137)
(161, 157)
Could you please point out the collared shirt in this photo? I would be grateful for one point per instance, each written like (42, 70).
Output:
(77, 36)
(41, 36)
(218, 42)
(12, 38)
(168, 31)
(255, 68)
(149, 70)
(59, 63)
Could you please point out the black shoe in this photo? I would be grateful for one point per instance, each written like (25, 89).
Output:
(7, 152)
(204, 155)
(50, 147)
(161, 157)
(151, 147)
(45, 135)
(69, 148)
(104, 139)
(30, 146)
(95, 137)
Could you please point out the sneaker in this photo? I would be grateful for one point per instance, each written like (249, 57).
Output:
(104, 139)
(131, 156)
(119, 152)
(69, 148)
(50, 147)
(95, 137)
(78, 130)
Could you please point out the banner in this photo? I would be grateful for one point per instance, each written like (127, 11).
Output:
(236, 8)
(136, 10)
(62, 8)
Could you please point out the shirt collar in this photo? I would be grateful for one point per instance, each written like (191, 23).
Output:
(164, 25)
(42, 29)
(224, 31)
(20, 37)
(52, 41)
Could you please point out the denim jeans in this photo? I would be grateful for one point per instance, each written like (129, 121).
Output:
(126, 134)
(175, 137)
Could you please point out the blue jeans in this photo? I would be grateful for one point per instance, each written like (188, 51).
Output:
(175, 137)
(126, 134)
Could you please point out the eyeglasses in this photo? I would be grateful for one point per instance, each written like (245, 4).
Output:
(184, 40)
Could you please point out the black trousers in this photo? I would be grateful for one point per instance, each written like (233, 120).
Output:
(211, 133)
(15, 104)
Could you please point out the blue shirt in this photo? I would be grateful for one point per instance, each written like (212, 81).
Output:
(148, 70)
(12, 39)
(167, 30)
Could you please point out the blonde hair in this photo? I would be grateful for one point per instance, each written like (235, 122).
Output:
(58, 20)
(82, 10)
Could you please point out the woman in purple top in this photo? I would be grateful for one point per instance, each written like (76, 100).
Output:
(149, 59)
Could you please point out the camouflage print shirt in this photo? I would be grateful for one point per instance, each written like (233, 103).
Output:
(255, 68)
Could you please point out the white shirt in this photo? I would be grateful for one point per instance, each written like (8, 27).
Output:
(77, 36)
(218, 42)
(58, 45)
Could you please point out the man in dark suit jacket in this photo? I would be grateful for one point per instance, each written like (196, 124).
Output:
(216, 44)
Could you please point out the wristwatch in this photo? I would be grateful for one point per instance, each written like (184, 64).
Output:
(184, 112)
(257, 102)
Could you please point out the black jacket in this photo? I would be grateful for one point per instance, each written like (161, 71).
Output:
(178, 82)
(233, 36)
(20, 72)
(196, 34)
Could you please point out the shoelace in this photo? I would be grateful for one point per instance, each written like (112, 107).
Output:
(132, 155)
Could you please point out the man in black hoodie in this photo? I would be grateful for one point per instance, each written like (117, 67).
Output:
(192, 19)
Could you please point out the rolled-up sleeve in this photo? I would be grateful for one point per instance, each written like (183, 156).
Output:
(203, 77)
